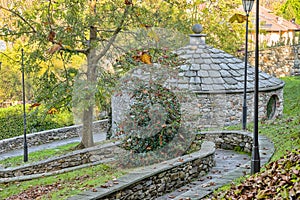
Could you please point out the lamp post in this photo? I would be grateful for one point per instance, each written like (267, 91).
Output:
(24, 109)
(247, 4)
(24, 103)
(255, 160)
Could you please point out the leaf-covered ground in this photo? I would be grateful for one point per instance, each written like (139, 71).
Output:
(61, 186)
(280, 180)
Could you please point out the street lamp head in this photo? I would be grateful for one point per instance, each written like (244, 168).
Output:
(248, 4)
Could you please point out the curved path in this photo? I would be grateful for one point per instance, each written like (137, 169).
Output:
(229, 166)
(98, 137)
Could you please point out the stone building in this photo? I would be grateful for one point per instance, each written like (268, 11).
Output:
(215, 79)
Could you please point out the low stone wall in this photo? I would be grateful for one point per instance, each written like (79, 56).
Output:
(76, 158)
(156, 180)
(146, 182)
(231, 140)
(48, 136)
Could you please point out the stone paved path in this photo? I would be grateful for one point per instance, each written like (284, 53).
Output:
(229, 165)
(97, 138)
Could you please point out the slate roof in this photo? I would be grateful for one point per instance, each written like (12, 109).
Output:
(212, 70)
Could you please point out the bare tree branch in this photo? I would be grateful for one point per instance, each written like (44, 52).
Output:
(113, 38)
(19, 33)
(9, 57)
(49, 16)
(22, 18)
(83, 51)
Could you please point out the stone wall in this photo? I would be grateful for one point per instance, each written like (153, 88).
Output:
(49, 136)
(76, 158)
(223, 140)
(146, 182)
(219, 110)
(155, 180)
(232, 140)
(278, 61)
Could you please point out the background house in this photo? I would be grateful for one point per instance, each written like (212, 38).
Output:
(275, 30)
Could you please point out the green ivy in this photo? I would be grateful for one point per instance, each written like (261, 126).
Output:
(145, 97)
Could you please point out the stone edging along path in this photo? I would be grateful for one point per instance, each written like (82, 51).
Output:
(156, 180)
(102, 153)
(149, 181)
(48, 136)
(222, 173)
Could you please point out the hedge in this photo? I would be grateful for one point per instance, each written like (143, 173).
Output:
(38, 119)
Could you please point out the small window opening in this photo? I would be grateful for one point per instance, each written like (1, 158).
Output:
(271, 106)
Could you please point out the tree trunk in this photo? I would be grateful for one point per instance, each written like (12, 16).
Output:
(87, 139)
(87, 130)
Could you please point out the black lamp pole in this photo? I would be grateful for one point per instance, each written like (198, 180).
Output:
(255, 161)
(247, 4)
(24, 110)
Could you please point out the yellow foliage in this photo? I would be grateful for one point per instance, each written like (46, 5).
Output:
(238, 17)
(146, 58)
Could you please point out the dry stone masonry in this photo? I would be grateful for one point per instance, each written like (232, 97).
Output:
(152, 181)
(218, 80)
(155, 180)
(48, 136)
(104, 153)
(279, 61)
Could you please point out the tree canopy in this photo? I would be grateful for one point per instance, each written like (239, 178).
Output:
(60, 36)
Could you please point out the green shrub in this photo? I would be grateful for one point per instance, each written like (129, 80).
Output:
(146, 96)
(38, 119)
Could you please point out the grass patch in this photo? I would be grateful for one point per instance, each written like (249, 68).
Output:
(38, 155)
(61, 186)
(195, 146)
(240, 150)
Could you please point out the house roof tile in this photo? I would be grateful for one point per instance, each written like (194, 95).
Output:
(213, 70)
